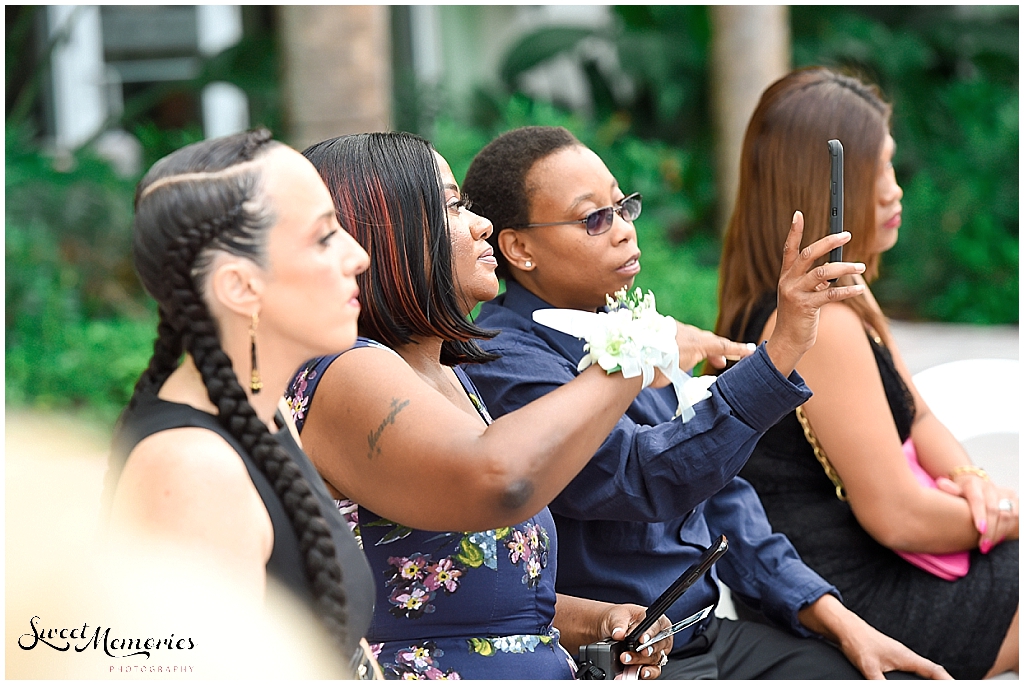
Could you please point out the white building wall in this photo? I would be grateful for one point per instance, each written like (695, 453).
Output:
(225, 106)
(79, 82)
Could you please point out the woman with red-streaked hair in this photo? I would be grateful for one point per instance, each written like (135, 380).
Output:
(407, 447)
(934, 567)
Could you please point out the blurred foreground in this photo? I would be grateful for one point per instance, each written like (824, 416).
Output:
(144, 612)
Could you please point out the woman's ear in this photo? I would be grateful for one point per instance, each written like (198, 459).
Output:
(517, 249)
(235, 284)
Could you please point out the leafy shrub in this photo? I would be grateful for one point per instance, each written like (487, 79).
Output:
(78, 326)
(952, 76)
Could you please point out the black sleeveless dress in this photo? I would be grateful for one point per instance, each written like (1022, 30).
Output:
(151, 415)
(959, 624)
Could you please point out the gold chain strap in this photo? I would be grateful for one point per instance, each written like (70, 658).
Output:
(820, 455)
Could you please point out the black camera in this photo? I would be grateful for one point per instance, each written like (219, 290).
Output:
(600, 660)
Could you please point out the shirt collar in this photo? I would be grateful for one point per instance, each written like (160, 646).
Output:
(524, 303)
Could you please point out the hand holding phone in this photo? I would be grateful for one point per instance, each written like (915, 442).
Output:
(835, 204)
(600, 660)
(676, 590)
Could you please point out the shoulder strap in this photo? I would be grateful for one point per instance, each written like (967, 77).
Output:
(303, 384)
(473, 394)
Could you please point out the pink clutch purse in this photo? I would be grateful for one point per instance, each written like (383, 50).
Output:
(945, 566)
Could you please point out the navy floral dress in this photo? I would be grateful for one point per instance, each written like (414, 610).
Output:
(454, 605)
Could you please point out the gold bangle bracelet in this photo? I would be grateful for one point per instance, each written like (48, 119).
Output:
(969, 468)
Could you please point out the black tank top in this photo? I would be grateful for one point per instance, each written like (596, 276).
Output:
(901, 402)
(151, 415)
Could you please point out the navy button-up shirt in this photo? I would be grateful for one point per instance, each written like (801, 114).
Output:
(658, 490)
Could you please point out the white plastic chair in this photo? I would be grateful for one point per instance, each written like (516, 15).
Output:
(974, 397)
(979, 401)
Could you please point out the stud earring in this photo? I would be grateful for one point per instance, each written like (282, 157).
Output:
(528, 264)
(255, 383)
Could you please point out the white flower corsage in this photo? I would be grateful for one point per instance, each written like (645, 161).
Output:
(631, 337)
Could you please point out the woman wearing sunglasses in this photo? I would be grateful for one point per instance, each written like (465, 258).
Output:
(659, 489)
(410, 453)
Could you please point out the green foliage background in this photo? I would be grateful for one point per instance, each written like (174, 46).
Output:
(79, 329)
(952, 74)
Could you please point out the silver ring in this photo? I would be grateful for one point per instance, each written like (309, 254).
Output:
(664, 660)
(1005, 505)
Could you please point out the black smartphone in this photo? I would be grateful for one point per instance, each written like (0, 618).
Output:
(676, 590)
(835, 203)
(600, 660)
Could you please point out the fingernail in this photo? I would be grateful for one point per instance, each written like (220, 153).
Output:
(794, 216)
(626, 658)
(860, 267)
(650, 651)
(985, 546)
(982, 526)
(751, 346)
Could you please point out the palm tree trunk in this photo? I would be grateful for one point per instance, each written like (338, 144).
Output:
(750, 49)
(336, 63)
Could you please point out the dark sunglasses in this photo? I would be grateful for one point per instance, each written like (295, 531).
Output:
(600, 220)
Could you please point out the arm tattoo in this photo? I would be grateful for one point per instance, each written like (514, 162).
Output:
(373, 439)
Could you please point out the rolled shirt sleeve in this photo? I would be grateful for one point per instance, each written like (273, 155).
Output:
(762, 567)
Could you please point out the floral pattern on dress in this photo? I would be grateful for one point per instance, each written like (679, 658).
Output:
(529, 548)
(419, 662)
(510, 644)
(444, 575)
(296, 397)
(481, 409)
(418, 578)
(349, 511)
(481, 548)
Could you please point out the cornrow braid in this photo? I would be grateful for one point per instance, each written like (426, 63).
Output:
(199, 335)
(167, 351)
(181, 247)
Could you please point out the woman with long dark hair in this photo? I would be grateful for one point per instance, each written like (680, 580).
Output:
(450, 505)
(237, 240)
(875, 493)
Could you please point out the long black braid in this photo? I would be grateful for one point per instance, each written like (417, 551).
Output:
(189, 205)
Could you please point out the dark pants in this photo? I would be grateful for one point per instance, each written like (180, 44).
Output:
(745, 650)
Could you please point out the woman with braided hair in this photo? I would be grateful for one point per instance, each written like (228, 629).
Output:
(237, 240)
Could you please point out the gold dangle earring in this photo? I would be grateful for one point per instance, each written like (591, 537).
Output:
(255, 384)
